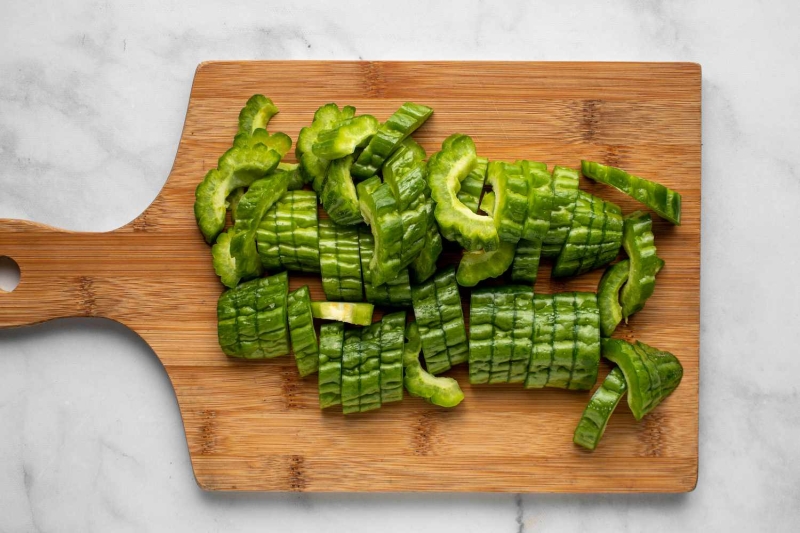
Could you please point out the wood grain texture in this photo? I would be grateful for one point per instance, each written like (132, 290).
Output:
(257, 426)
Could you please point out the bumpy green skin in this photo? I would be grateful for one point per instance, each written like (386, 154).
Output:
(345, 137)
(339, 196)
(608, 290)
(251, 319)
(581, 232)
(595, 417)
(256, 114)
(339, 262)
(586, 352)
(238, 167)
(510, 209)
(415, 227)
(478, 266)
(525, 267)
(501, 331)
(255, 203)
(359, 314)
(223, 261)
(441, 391)
(424, 265)
(446, 170)
(565, 192)
(379, 209)
(612, 236)
(361, 377)
(542, 353)
(393, 328)
(312, 168)
(540, 200)
(395, 292)
(594, 237)
(301, 330)
(280, 142)
(406, 173)
(651, 374)
(664, 201)
(437, 307)
(566, 341)
(639, 244)
(288, 235)
(390, 134)
(331, 342)
(472, 185)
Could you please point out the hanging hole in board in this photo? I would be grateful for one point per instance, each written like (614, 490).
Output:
(9, 274)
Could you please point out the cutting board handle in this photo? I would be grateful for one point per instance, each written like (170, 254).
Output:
(62, 273)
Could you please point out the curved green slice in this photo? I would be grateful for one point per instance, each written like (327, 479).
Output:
(359, 314)
(441, 391)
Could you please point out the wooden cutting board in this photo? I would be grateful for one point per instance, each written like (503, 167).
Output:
(257, 425)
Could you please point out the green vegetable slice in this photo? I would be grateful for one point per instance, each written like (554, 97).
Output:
(541, 361)
(359, 314)
(595, 417)
(280, 142)
(343, 139)
(472, 185)
(379, 209)
(251, 319)
(301, 331)
(406, 173)
(238, 167)
(223, 261)
(478, 266)
(540, 200)
(441, 391)
(481, 333)
(641, 364)
(510, 209)
(608, 290)
(395, 292)
(446, 170)
(361, 369)
(393, 328)
(501, 330)
(586, 355)
(576, 245)
(565, 192)
(525, 266)
(639, 244)
(255, 203)
(563, 340)
(256, 114)
(437, 307)
(314, 169)
(664, 201)
(390, 134)
(331, 343)
(339, 261)
(339, 196)
(424, 265)
(288, 235)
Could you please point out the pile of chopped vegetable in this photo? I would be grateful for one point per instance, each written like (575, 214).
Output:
(385, 212)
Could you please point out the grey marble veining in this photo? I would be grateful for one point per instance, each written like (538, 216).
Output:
(92, 99)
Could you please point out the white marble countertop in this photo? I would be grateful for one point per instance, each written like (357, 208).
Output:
(92, 101)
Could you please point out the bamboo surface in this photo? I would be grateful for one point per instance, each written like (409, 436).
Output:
(257, 425)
